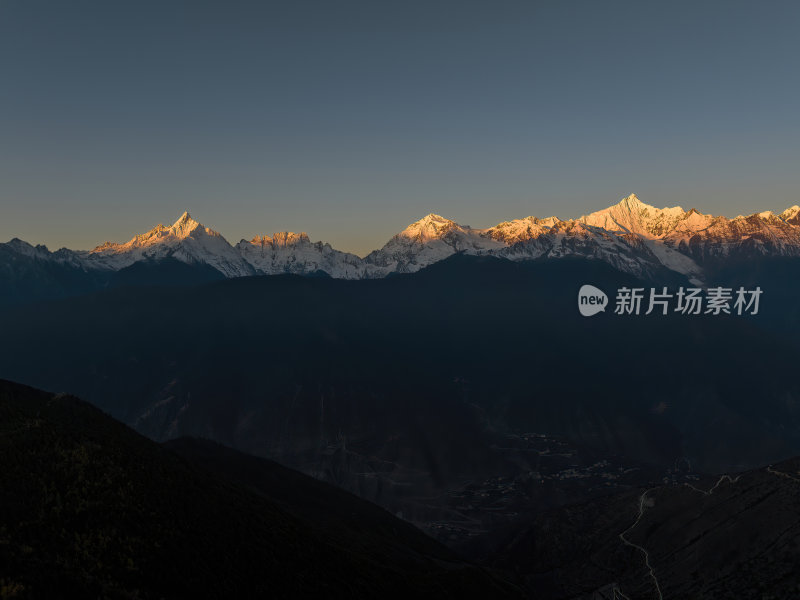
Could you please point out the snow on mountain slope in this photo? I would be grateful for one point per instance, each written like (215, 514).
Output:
(791, 215)
(17, 248)
(698, 237)
(186, 240)
(434, 238)
(676, 261)
(626, 252)
(521, 230)
(288, 252)
(425, 242)
(631, 215)
(714, 238)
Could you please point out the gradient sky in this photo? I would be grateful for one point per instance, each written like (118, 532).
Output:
(351, 119)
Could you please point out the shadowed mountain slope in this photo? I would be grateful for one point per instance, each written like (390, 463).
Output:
(729, 537)
(88, 508)
(421, 369)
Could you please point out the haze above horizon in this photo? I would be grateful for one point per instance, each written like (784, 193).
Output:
(352, 120)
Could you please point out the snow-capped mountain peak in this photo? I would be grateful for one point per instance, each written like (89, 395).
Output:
(521, 230)
(631, 215)
(425, 242)
(186, 240)
(186, 225)
(182, 229)
(791, 215)
(284, 239)
(288, 252)
(430, 227)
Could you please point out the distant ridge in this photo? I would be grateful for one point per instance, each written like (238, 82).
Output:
(632, 236)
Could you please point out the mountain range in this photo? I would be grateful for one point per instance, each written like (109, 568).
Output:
(632, 236)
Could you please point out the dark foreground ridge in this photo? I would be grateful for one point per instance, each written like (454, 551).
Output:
(89, 508)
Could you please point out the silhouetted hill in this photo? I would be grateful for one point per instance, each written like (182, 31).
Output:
(330, 509)
(89, 508)
(165, 272)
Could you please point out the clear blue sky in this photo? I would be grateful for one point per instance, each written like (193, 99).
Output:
(351, 119)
